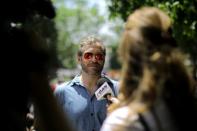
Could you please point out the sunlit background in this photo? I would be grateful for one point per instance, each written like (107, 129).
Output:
(76, 19)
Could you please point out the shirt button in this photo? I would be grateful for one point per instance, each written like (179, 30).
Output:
(92, 115)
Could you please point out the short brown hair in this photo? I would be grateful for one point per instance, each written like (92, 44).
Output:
(90, 40)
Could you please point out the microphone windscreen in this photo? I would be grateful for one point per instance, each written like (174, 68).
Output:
(104, 88)
(102, 80)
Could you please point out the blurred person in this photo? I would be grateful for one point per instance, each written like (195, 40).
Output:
(155, 87)
(26, 63)
(77, 97)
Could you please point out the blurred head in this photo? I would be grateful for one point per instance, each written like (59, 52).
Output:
(30, 44)
(153, 68)
(91, 55)
(149, 57)
(148, 17)
(147, 26)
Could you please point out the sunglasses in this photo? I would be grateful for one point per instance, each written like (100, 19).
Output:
(89, 56)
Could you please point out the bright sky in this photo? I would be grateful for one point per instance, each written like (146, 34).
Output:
(106, 28)
(102, 7)
(101, 4)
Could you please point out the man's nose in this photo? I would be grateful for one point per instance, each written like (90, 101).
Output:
(94, 59)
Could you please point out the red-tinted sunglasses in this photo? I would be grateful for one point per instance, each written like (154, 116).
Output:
(89, 56)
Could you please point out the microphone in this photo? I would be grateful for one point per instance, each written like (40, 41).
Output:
(104, 91)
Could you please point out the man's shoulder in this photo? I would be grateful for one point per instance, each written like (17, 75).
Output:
(70, 83)
(63, 86)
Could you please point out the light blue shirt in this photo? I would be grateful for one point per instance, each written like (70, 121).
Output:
(85, 111)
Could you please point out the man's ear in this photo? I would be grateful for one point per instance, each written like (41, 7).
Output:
(78, 59)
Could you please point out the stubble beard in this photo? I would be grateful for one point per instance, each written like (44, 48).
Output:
(92, 70)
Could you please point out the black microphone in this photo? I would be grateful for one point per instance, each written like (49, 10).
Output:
(105, 89)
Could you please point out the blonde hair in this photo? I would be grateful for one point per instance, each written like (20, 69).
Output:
(148, 16)
(148, 56)
(153, 71)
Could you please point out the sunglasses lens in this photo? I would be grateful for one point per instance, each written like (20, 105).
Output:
(99, 57)
(88, 55)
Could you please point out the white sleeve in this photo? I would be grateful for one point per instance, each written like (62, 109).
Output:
(122, 120)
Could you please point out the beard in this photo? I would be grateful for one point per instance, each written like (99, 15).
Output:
(92, 68)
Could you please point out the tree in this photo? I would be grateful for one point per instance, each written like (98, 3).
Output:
(183, 15)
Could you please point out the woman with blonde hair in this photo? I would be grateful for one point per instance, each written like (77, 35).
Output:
(155, 89)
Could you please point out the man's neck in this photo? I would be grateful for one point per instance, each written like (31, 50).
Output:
(89, 81)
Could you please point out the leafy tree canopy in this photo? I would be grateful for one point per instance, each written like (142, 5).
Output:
(182, 12)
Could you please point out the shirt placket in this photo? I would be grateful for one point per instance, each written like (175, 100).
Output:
(92, 114)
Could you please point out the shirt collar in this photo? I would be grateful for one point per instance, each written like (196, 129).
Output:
(77, 79)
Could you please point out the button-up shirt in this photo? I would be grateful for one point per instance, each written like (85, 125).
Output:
(84, 110)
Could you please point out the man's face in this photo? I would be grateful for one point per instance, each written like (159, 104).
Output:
(92, 59)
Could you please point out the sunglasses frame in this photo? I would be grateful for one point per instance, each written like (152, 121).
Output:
(89, 56)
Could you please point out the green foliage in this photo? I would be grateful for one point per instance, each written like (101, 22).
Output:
(182, 12)
(114, 62)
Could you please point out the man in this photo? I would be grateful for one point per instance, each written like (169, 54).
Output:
(77, 97)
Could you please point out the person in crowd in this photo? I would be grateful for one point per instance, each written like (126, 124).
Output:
(78, 97)
(26, 63)
(155, 86)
